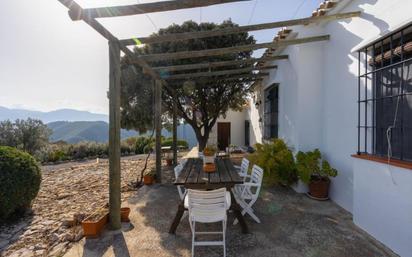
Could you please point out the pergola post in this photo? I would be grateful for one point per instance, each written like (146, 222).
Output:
(174, 143)
(114, 135)
(158, 128)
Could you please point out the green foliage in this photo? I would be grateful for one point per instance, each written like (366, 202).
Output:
(198, 101)
(144, 145)
(277, 161)
(20, 179)
(180, 143)
(310, 164)
(28, 135)
(64, 152)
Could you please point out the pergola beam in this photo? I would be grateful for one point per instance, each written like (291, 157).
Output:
(72, 5)
(218, 73)
(221, 32)
(208, 65)
(245, 76)
(210, 82)
(228, 50)
(125, 10)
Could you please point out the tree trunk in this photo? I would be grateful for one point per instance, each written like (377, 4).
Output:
(202, 143)
(202, 139)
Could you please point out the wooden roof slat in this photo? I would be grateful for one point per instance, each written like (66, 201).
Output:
(125, 10)
(228, 50)
(246, 75)
(109, 36)
(216, 64)
(245, 78)
(215, 73)
(221, 32)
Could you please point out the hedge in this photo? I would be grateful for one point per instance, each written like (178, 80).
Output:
(20, 179)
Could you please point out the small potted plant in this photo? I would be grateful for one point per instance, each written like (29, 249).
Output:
(124, 214)
(149, 177)
(169, 158)
(209, 154)
(315, 172)
(94, 224)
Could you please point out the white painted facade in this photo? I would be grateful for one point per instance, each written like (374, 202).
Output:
(237, 128)
(318, 92)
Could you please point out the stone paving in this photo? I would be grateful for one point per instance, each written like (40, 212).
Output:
(292, 226)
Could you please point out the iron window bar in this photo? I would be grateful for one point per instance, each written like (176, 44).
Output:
(385, 82)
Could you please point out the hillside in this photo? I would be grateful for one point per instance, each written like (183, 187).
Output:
(74, 126)
(73, 132)
(98, 131)
(46, 117)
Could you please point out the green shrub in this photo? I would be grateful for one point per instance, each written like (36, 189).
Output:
(20, 179)
(180, 143)
(277, 161)
(143, 145)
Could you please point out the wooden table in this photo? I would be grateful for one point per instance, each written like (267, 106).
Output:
(193, 177)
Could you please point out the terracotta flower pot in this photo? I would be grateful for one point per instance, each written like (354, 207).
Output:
(319, 187)
(148, 179)
(94, 224)
(124, 214)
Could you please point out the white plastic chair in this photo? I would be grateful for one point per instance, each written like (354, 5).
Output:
(247, 193)
(183, 161)
(208, 207)
(243, 169)
(180, 189)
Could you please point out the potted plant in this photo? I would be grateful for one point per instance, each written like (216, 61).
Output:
(169, 158)
(93, 224)
(277, 161)
(209, 154)
(124, 214)
(315, 172)
(149, 177)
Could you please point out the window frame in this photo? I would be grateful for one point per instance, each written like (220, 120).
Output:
(367, 128)
(274, 86)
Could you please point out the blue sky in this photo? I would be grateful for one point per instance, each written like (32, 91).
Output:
(49, 62)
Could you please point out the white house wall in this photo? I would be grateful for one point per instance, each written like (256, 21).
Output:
(318, 87)
(237, 128)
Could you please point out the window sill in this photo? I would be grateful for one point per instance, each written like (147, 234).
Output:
(393, 162)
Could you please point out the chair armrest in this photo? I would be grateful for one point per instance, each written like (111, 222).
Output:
(236, 167)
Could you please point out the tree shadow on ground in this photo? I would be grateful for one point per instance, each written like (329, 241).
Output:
(292, 225)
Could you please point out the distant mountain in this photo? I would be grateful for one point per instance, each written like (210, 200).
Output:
(98, 131)
(46, 117)
(77, 131)
(74, 126)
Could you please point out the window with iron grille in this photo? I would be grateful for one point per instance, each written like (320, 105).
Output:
(385, 96)
(271, 110)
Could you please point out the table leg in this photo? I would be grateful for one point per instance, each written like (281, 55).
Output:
(178, 217)
(237, 211)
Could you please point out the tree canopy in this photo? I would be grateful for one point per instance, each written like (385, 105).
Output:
(28, 135)
(200, 100)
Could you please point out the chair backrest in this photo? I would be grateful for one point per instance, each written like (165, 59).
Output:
(178, 170)
(244, 166)
(183, 162)
(257, 178)
(181, 190)
(207, 206)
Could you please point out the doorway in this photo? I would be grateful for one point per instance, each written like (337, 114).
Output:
(223, 135)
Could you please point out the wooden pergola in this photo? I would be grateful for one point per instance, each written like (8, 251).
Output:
(116, 46)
